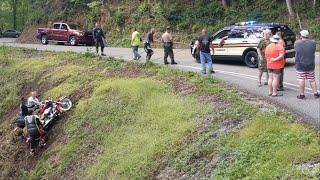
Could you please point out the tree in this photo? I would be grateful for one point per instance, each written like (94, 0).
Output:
(290, 9)
(224, 3)
(14, 13)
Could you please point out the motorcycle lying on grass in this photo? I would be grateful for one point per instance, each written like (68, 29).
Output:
(50, 111)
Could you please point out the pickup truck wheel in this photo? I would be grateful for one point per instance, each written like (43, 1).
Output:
(251, 59)
(44, 39)
(73, 41)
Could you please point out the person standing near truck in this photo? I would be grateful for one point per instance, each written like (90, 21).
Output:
(99, 38)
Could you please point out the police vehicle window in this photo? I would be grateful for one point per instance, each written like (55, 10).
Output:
(56, 26)
(64, 27)
(238, 33)
(221, 34)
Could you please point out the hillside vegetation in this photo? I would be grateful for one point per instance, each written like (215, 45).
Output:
(187, 18)
(143, 121)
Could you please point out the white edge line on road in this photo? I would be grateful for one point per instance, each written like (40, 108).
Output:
(221, 71)
(246, 76)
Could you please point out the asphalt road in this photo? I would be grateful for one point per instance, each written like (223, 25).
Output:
(235, 73)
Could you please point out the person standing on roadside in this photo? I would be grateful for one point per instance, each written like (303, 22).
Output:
(148, 43)
(281, 42)
(305, 63)
(204, 44)
(167, 46)
(275, 61)
(99, 38)
(263, 43)
(135, 43)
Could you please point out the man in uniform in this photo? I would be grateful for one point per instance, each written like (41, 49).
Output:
(99, 38)
(167, 45)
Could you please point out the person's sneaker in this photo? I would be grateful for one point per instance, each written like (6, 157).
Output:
(32, 152)
(139, 58)
(266, 83)
(166, 63)
(212, 72)
(316, 95)
(301, 96)
(173, 63)
(280, 89)
(203, 72)
(102, 54)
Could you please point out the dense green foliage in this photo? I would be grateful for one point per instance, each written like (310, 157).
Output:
(186, 18)
(142, 121)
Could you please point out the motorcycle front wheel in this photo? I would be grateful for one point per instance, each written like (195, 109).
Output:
(66, 104)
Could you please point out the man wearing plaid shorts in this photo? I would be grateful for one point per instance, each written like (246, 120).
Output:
(305, 63)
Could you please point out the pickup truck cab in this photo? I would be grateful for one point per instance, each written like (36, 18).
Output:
(65, 33)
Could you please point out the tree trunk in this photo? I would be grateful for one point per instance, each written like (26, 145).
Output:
(224, 3)
(14, 13)
(314, 3)
(290, 9)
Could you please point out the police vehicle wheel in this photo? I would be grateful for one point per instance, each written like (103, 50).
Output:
(251, 59)
(44, 39)
(73, 41)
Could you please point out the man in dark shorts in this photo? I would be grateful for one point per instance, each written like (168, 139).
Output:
(205, 43)
(264, 42)
(305, 63)
(148, 43)
(99, 38)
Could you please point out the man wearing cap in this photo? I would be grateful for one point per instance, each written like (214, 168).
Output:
(275, 62)
(263, 43)
(305, 63)
(167, 46)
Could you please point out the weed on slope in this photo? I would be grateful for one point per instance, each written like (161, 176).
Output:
(143, 121)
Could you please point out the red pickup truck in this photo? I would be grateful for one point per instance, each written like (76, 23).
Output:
(65, 33)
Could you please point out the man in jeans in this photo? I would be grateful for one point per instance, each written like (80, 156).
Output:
(305, 63)
(204, 44)
(135, 43)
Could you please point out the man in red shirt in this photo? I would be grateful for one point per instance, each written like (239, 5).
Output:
(275, 62)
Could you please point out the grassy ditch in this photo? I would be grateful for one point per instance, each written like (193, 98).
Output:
(142, 121)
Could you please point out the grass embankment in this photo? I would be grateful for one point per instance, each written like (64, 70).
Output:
(137, 121)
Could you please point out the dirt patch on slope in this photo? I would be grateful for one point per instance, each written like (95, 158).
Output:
(15, 152)
(28, 35)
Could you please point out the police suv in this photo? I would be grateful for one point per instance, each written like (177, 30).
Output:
(240, 41)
